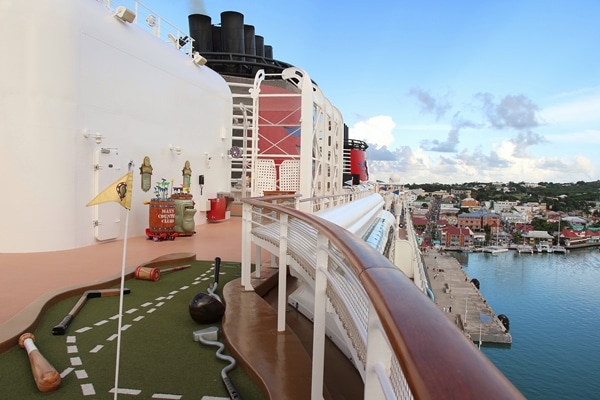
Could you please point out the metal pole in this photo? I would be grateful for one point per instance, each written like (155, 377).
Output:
(466, 304)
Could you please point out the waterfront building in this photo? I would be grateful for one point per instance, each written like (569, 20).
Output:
(479, 219)
(452, 236)
(572, 237)
(535, 237)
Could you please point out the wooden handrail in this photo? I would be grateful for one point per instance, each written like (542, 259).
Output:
(438, 361)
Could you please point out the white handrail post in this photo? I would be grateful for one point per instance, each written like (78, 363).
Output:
(320, 313)
(297, 203)
(378, 358)
(307, 161)
(282, 291)
(257, 261)
(246, 246)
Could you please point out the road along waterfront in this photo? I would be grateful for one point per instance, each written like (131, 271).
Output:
(460, 299)
(552, 301)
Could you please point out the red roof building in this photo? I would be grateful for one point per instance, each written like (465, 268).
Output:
(523, 228)
(417, 221)
(456, 237)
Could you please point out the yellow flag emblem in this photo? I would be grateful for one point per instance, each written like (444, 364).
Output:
(118, 192)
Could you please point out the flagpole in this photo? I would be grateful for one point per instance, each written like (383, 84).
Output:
(123, 262)
(119, 191)
(121, 306)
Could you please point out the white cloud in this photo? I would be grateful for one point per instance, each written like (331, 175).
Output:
(376, 131)
(575, 108)
(562, 167)
(588, 136)
(486, 157)
(499, 165)
(444, 128)
(505, 149)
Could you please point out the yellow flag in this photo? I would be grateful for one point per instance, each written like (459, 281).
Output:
(119, 192)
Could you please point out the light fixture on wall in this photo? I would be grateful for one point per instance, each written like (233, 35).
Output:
(151, 21)
(124, 14)
(175, 149)
(96, 136)
(198, 59)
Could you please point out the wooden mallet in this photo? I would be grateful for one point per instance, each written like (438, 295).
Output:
(153, 274)
(45, 375)
(149, 270)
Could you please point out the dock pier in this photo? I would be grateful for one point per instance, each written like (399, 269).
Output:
(462, 302)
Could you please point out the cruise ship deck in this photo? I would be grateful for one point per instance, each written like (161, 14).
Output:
(31, 281)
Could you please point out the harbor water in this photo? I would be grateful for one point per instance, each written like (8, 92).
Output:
(552, 302)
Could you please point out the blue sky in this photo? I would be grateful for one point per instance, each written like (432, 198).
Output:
(446, 91)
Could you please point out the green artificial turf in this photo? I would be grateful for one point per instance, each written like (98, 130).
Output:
(158, 353)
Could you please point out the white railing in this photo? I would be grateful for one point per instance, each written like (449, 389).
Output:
(337, 288)
(402, 345)
(350, 193)
(411, 236)
(152, 22)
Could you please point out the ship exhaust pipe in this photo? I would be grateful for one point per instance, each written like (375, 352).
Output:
(249, 40)
(243, 51)
(232, 33)
(201, 31)
(260, 45)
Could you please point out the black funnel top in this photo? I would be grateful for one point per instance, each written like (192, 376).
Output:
(232, 48)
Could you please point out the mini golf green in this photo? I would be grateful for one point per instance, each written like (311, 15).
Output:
(158, 358)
